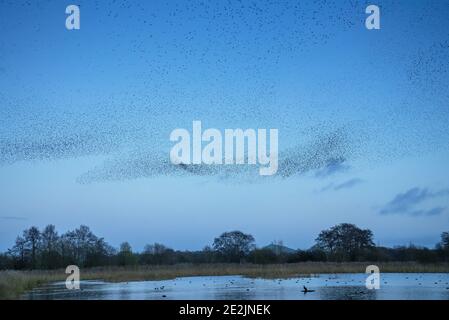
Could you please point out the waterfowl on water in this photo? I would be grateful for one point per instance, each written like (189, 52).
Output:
(305, 290)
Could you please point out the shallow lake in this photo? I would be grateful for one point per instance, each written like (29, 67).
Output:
(327, 287)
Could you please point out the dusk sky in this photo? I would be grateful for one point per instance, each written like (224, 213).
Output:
(362, 115)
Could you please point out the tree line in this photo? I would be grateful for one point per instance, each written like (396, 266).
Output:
(47, 249)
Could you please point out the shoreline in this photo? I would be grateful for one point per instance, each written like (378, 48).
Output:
(14, 283)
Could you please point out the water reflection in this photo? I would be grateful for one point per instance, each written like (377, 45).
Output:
(347, 293)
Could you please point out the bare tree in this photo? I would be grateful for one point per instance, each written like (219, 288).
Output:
(32, 240)
(19, 250)
(445, 241)
(49, 247)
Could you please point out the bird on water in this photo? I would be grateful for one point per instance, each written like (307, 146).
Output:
(305, 290)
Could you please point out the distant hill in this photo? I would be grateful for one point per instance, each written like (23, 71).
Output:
(278, 249)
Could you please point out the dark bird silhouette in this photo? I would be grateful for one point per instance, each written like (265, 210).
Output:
(305, 290)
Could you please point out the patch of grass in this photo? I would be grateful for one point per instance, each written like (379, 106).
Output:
(270, 271)
(15, 283)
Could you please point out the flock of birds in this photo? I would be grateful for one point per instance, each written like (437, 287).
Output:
(166, 42)
(230, 284)
(235, 285)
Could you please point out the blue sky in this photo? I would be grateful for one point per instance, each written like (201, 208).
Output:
(85, 118)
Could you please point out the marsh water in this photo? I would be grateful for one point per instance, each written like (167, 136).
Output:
(403, 286)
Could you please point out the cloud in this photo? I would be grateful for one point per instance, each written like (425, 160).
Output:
(344, 185)
(12, 218)
(405, 203)
(431, 212)
(348, 184)
(334, 165)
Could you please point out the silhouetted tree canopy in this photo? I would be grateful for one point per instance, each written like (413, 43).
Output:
(126, 256)
(344, 241)
(234, 245)
(47, 249)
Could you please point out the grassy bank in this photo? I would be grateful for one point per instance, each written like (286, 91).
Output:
(14, 283)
